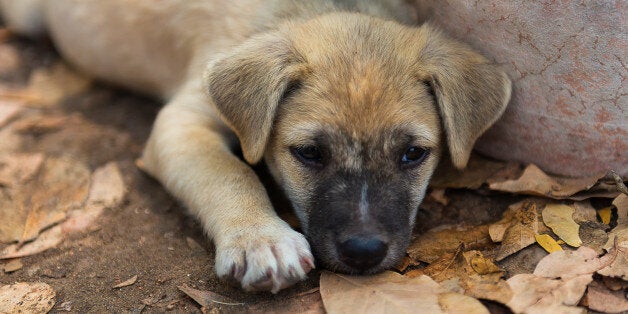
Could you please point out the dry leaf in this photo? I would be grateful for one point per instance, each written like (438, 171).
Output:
(8, 110)
(13, 265)
(107, 189)
(194, 245)
(605, 215)
(469, 273)
(558, 283)
(547, 242)
(309, 302)
(621, 203)
(390, 292)
(569, 264)
(534, 181)
(406, 261)
(522, 224)
(127, 282)
(16, 169)
(560, 219)
(534, 294)
(618, 267)
(601, 299)
(438, 195)
(428, 247)
(583, 212)
(47, 86)
(207, 298)
(618, 235)
(23, 297)
(61, 185)
(55, 187)
(46, 240)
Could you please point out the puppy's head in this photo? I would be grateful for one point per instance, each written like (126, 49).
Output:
(351, 114)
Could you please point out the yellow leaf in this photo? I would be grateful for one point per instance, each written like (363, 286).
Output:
(605, 215)
(547, 242)
(560, 218)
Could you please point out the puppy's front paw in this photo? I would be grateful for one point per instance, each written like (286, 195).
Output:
(266, 258)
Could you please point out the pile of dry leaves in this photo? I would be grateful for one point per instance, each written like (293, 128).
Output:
(561, 247)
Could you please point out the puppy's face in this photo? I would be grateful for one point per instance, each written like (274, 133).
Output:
(354, 151)
(350, 114)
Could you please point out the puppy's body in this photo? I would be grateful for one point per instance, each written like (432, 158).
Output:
(348, 107)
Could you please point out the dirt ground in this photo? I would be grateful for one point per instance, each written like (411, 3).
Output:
(149, 236)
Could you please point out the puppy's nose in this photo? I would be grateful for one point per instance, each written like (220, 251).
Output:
(362, 252)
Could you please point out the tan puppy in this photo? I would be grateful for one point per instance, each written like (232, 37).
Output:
(348, 105)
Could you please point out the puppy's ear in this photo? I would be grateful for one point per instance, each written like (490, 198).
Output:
(471, 92)
(248, 84)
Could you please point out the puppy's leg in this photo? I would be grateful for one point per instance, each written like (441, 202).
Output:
(189, 153)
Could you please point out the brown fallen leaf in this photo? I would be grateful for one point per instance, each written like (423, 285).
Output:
(16, 169)
(519, 224)
(469, 273)
(207, 298)
(47, 86)
(40, 194)
(534, 294)
(390, 292)
(48, 239)
(601, 299)
(430, 246)
(618, 266)
(22, 297)
(618, 236)
(61, 185)
(533, 181)
(559, 218)
(438, 195)
(127, 282)
(569, 264)
(108, 188)
(40, 124)
(194, 245)
(8, 110)
(309, 302)
(583, 212)
(621, 203)
(13, 265)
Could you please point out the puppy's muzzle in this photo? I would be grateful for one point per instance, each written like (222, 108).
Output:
(362, 252)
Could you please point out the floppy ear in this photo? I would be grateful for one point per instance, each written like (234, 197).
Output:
(471, 92)
(248, 84)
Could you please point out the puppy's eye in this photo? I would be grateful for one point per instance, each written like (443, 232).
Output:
(413, 157)
(309, 155)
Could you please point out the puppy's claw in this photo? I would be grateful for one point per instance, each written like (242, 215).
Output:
(264, 260)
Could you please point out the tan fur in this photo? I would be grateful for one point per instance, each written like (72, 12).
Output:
(361, 80)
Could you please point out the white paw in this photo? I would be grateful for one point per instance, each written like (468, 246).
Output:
(266, 258)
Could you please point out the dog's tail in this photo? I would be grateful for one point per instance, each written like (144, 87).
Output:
(23, 16)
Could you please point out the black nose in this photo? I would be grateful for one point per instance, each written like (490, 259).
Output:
(363, 252)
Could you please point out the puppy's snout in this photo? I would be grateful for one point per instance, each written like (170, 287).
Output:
(362, 252)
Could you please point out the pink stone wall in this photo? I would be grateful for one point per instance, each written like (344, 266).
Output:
(568, 61)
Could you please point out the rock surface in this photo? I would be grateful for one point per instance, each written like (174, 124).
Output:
(568, 62)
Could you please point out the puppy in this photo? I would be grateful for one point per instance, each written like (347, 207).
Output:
(348, 104)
